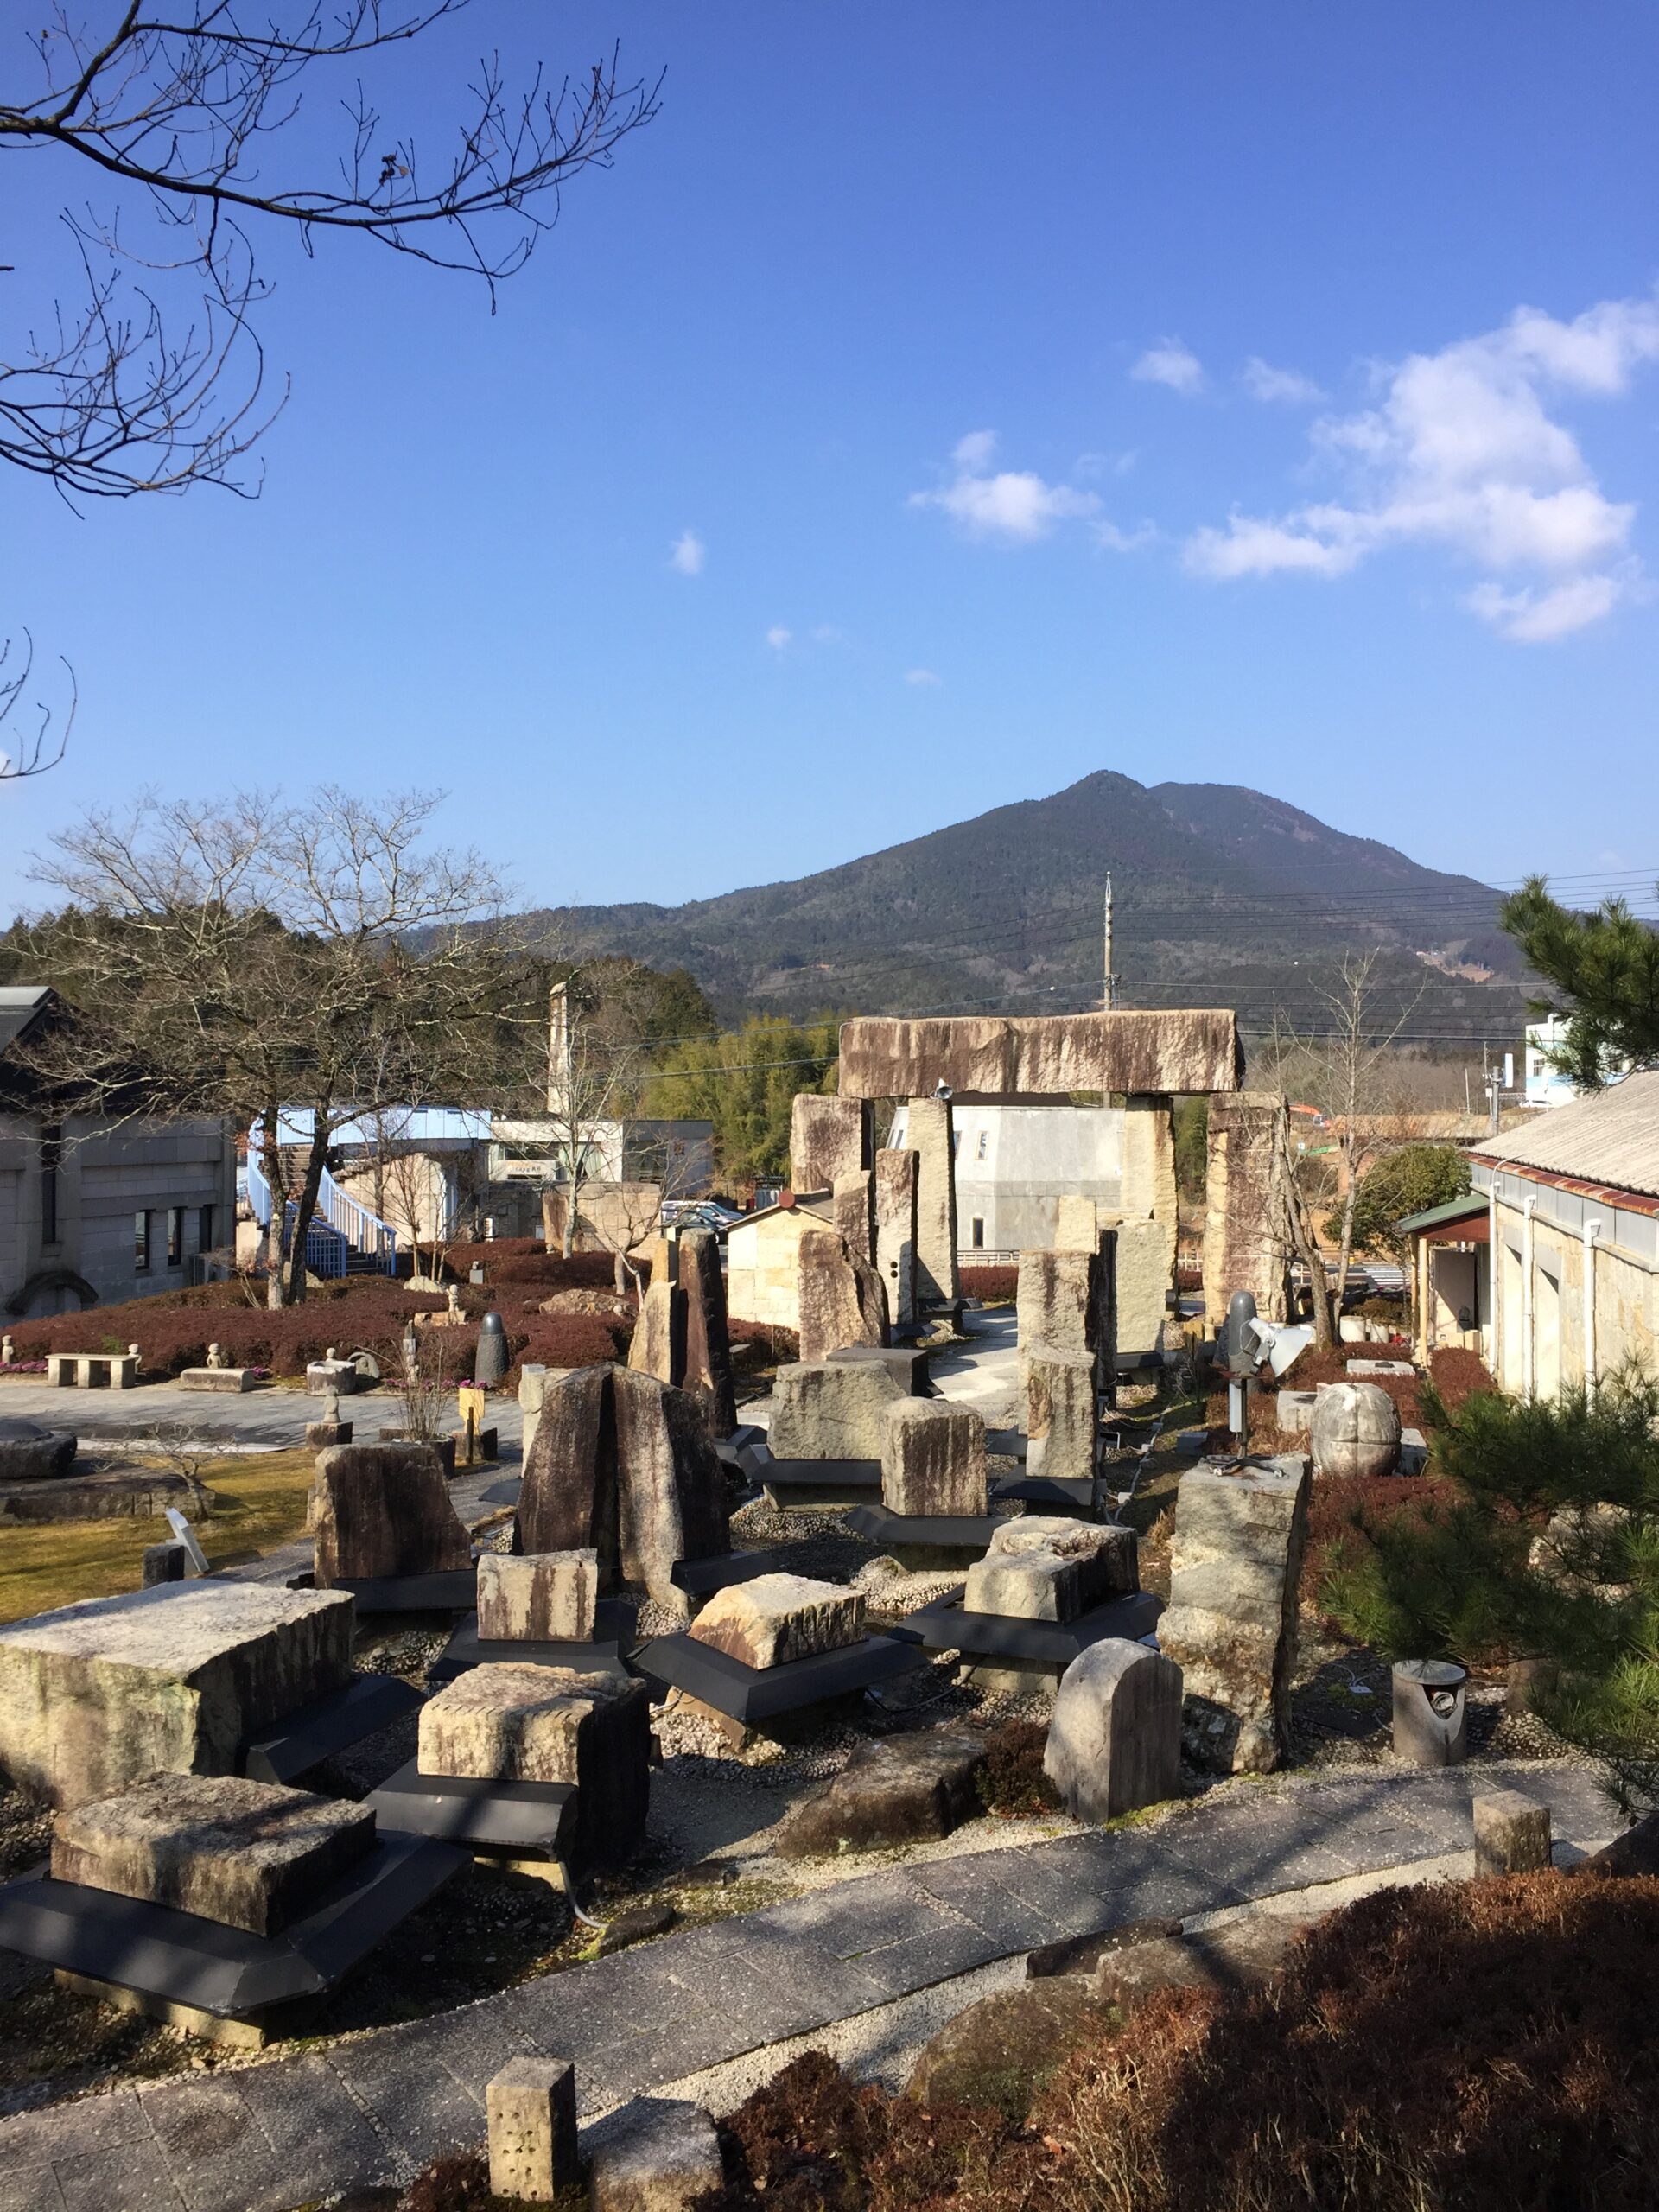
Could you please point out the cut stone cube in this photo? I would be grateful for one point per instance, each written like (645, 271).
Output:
(932, 1459)
(523, 1723)
(778, 1618)
(1107, 1556)
(1026, 1585)
(247, 1854)
(538, 1596)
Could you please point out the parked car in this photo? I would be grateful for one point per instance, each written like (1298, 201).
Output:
(699, 1213)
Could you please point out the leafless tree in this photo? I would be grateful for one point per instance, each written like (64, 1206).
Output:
(33, 750)
(184, 116)
(596, 1061)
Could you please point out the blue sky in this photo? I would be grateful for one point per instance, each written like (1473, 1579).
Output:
(938, 403)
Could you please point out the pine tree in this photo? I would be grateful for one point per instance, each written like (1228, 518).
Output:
(1603, 971)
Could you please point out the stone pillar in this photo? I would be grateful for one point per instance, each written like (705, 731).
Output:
(1246, 1246)
(840, 1296)
(1235, 1582)
(828, 1138)
(854, 1213)
(532, 1390)
(1055, 1300)
(707, 1373)
(895, 1232)
(932, 1459)
(531, 2107)
(658, 1345)
(1114, 1741)
(1149, 1185)
(930, 1136)
(1077, 1223)
(1061, 1420)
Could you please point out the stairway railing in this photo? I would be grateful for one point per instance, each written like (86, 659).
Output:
(340, 1225)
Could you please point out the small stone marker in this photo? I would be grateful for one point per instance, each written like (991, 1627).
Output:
(530, 2105)
(169, 1562)
(932, 1459)
(185, 1535)
(538, 1596)
(1511, 1833)
(657, 2154)
(1114, 1740)
(840, 1295)
(778, 1618)
(1061, 1418)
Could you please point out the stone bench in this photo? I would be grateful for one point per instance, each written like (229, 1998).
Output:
(231, 1380)
(93, 1370)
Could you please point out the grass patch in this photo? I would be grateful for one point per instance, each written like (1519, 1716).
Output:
(52, 1563)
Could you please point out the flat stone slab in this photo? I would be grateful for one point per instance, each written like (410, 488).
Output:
(778, 1618)
(165, 1680)
(947, 1625)
(111, 1494)
(897, 1789)
(232, 1381)
(247, 1854)
(1380, 1367)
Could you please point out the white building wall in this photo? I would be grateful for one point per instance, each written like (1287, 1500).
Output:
(1014, 1163)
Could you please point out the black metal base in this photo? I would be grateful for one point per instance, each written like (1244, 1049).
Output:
(613, 1620)
(700, 1578)
(454, 1592)
(1048, 1494)
(515, 1820)
(368, 1702)
(178, 1958)
(968, 1535)
(731, 1448)
(505, 1492)
(819, 1482)
(944, 1626)
(756, 1694)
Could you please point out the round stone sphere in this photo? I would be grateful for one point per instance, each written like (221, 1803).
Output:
(1356, 1430)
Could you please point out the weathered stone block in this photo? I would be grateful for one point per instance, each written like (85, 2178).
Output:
(828, 1138)
(841, 1299)
(897, 1789)
(567, 1500)
(247, 1854)
(707, 1376)
(895, 1204)
(1145, 1269)
(163, 1680)
(530, 2110)
(906, 1364)
(657, 1344)
(830, 1409)
(167, 1562)
(928, 1134)
(932, 1459)
(1106, 1555)
(1235, 1566)
(1245, 1955)
(1148, 1188)
(1511, 1833)
(536, 1724)
(536, 1597)
(1001, 2051)
(1115, 1738)
(232, 1381)
(1076, 1222)
(1185, 1052)
(1061, 1418)
(1057, 1309)
(853, 1213)
(656, 2155)
(384, 1509)
(1246, 1245)
(670, 1486)
(1027, 1586)
(1355, 1430)
(1295, 1410)
(777, 1618)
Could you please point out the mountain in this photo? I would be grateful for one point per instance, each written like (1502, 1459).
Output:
(1221, 896)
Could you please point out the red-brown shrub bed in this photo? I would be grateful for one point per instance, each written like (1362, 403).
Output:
(365, 1312)
(989, 1282)
(526, 1260)
(1337, 1502)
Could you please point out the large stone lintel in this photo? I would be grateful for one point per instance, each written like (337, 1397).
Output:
(1185, 1052)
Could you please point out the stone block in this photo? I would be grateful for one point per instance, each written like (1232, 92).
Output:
(1107, 1556)
(895, 1790)
(853, 1213)
(906, 1364)
(777, 1618)
(1145, 1271)
(532, 1390)
(1115, 1738)
(928, 1134)
(323, 1435)
(894, 1206)
(841, 1302)
(1057, 1309)
(932, 1459)
(567, 1500)
(1247, 1204)
(657, 1344)
(1295, 1409)
(1076, 1222)
(540, 1724)
(670, 1487)
(830, 1409)
(163, 1680)
(656, 2155)
(384, 1509)
(1061, 1418)
(167, 1562)
(998, 2053)
(530, 2110)
(232, 1381)
(1235, 1566)
(1185, 1052)
(247, 1854)
(828, 1138)
(1355, 1430)
(707, 1374)
(1029, 1586)
(1511, 1833)
(538, 1596)
(31, 1453)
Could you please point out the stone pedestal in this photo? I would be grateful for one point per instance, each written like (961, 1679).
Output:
(830, 1409)
(229, 1381)
(778, 1618)
(894, 1203)
(540, 1724)
(928, 1133)
(1235, 1566)
(1025, 1586)
(531, 2108)
(1115, 1740)
(383, 1510)
(828, 1138)
(547, 1597)
(932, 1459)
(1246, 1244)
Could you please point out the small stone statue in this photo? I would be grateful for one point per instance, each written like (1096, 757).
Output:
(215, 1356)
(452, 1292)
(8, 1351)
(331, 1404)
(411, 1353)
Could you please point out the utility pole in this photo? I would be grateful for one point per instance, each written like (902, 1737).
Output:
(1108, 994)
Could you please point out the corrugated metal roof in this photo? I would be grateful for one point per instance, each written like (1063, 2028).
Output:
(1450, 1209)
(1611, 1138)
(19, 1004)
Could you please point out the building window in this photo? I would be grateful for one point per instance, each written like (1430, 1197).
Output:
(984, 1144)
(176, 1237)
(955, 1142)
(204, 1228)
(141, 1241)
(51, 1160)
(976, 1230)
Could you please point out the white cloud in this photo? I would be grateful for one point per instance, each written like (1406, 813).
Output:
(1262, 381)
(1009, 502)
(689, 554)
(1170, 362)
(778, 637)
(922, 678)
(1460, 451)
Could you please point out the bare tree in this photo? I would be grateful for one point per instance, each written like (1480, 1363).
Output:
(596, 1061)
(34, 750)
(184, 115)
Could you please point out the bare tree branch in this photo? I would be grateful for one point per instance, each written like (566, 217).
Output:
(39, 748)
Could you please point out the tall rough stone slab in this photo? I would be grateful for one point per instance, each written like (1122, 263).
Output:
(1246, 1245)
(895, 1232)
(932, 1459)
(707, 1370)
(828, 1138)
(929, 1134)
(1188, 1052)
(657, 1344)
(165, 1680)
(1056, 1308)
(1235, 1569)
(1145, 1270)
(836, 1294)
(384, 1509)
(567, 1500)
(538, 1598)
(671, 1486)
(1115, 1740)
(1149, 1185)
(1062, 1423)
(854, 1213)
(1076, 1222)
(830, 1409)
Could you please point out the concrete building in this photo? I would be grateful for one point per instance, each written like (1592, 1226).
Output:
(94, 1210)
(1014, 1163)
(1571, 1281)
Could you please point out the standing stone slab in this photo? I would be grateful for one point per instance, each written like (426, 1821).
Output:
(828, 1138)
(1061, 1418)
(657, 1344)
(567, 1500)
(895, 1202)
(830, 1409)
(247, 1854)
(777, 1618)
(541, 1597)
(707, 1376)
(930, 1134)
(656, 2155)
(168, 1680)
(531, 2108)
(1115, 1740)
(532, 1390)
(1145, 1270)
(384, 1509)
(670, 1486)
(1149, 1157)
(840, 1297)
(1061, 1301)
(932, 1459)
(1246, 1244)
(854, 1213)
(1235, 1569)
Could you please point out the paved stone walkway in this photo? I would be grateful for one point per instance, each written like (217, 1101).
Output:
(268, 1419)
(374, 2107)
